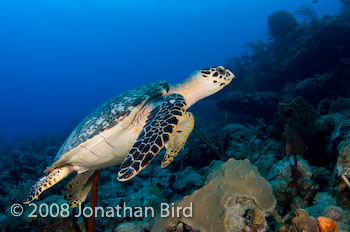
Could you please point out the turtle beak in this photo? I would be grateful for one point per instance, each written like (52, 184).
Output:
(229, 74)
(226, 73)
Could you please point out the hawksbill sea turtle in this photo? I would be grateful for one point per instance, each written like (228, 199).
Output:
(130, 129)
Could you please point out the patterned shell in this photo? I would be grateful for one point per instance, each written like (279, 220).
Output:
(109, 113)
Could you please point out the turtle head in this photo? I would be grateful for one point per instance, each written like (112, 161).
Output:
(214, 79)
(203, 83)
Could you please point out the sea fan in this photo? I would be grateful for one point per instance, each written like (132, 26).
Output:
(307, 12)
(20, 191)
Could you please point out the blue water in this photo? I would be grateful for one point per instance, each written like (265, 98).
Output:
(59, 59)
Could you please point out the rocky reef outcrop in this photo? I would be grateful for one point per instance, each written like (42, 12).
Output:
(235, 188)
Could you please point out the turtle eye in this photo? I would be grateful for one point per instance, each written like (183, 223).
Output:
(221, 70)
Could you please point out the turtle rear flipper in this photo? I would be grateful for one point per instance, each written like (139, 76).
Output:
(160, 125)
(78, 188)
(178, 139)
(48, 181)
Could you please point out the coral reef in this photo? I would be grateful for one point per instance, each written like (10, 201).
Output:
(307, 50)
(221, 204)
(306, 67)
(281, 174)
(299, 114)
(299, 221)
(292, 146)
(335, 213)
(255, 105)
(301, 117)
(257, 221)
(313, 89)
(340, 105)
(19, 192)
(132, 226)
(327, 224)
(321, 201)
(281, 23)
(343, 163)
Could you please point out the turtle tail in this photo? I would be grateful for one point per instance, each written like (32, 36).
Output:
(55, 176)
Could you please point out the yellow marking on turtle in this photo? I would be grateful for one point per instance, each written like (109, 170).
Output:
(47, 182)
(178, 139)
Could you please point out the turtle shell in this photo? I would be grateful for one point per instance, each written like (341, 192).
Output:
(111, 112)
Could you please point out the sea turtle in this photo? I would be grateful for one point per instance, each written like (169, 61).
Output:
(130, 129)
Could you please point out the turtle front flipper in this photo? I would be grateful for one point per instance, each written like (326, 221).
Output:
(55, 176)
(160, 124)
(178, 139)
(78, 188)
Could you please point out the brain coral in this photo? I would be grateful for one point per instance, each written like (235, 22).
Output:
(212, 204)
